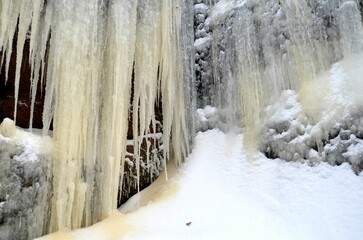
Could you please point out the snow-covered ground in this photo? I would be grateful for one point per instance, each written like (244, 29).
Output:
(222, 192)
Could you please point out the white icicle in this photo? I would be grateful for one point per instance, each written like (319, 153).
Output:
(147, 58)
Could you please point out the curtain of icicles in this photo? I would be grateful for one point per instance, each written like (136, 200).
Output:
(89, 52)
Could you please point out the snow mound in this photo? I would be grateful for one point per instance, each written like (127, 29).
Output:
(7, 128)
(207, 118)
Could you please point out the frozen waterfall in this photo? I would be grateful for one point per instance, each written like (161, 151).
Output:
(90, 53)
(108, 64)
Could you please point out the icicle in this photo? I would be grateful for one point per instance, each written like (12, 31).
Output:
(72, 93)
(119, 60)
(147, 58)
(9, 20)
(249, 75)
(171, 77)
(179, 131)
(35, 60)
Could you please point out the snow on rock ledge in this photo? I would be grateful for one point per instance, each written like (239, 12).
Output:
(24, 183)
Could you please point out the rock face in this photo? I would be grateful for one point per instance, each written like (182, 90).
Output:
(203, 58)
(24, 185)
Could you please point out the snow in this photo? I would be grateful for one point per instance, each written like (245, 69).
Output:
(224, 7)
(355, 151)
(207, 118)
(33, 143)
(225, 192)
(200, 44)
(7, 128)
(200, 8)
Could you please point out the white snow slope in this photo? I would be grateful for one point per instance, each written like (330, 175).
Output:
(228, 194)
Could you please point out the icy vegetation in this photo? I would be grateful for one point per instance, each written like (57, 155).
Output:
(24, 182)
(94, 56)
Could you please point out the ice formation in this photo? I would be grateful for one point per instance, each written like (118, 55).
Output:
(334, 135)
(90, 54)
(252, 54)
(260, 48)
